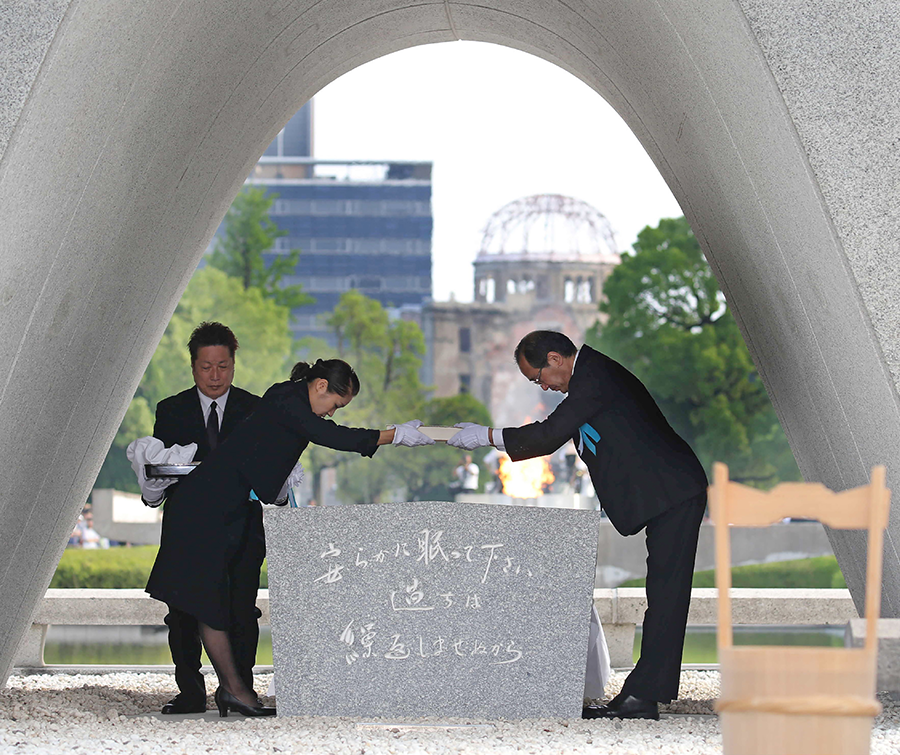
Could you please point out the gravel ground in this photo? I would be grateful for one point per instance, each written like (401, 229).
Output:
(118, 713)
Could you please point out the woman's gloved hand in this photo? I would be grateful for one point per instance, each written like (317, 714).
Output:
(293, 479)
(408, 434)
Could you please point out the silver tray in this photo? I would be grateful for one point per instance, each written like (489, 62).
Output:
(169, 470)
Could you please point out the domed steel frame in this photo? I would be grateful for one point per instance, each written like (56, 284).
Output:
(549, 224)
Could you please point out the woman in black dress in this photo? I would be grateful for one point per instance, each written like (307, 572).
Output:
(191, 573)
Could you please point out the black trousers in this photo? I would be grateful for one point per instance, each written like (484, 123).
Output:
(243, 631)
(671, 552)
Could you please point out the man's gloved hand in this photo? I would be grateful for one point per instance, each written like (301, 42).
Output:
(471, 436)
(408, 434)
(153, 489)
(150, 450)
(294, 478)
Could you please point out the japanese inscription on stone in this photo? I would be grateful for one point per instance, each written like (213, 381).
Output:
(430, 609)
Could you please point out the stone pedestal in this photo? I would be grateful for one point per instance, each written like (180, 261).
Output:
(620, 642)
(430, 609)
(888, 651)
(31, 649)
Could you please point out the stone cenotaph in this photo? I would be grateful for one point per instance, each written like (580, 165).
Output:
(430, 609)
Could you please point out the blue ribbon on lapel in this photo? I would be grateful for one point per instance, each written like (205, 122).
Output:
(589, 437)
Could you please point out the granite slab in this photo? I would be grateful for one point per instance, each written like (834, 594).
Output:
(430, 609)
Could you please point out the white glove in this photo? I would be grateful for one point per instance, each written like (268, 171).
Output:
(293, 480)
(408, 434)
(471, 436)
(150, 450)
(153, 490)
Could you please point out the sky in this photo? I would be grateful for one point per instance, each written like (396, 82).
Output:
(499, 125)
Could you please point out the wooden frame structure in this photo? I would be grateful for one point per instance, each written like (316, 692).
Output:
(798, 700)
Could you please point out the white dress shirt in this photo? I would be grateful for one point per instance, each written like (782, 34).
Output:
(206, 403)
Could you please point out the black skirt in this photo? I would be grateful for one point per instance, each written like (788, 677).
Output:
(209, 524)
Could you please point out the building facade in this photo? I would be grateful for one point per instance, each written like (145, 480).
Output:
(542, 265)
(363, 225)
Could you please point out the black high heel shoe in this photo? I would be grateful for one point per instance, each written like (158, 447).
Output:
(225, 701)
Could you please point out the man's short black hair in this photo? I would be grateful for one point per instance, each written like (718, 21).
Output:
(538, 343)
(211, 334)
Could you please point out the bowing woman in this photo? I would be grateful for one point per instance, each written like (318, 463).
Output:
(213, 503)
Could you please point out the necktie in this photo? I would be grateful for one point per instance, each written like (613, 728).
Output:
(212, 426)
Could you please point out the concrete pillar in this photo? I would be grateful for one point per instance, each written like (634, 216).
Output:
(127, 129)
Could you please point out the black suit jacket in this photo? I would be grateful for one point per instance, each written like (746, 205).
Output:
(191, 572)
(179, 419)
(265, 449)
(639, 465)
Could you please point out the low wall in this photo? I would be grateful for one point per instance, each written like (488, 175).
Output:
(124, 517)
(621, 610)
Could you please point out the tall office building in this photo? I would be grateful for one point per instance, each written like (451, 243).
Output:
(363, 224)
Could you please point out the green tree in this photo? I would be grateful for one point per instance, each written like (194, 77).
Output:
(669, 323)
(248, 234)
(264, 357)
(387, 356)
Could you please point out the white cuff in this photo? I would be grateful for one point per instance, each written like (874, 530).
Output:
(497, 435)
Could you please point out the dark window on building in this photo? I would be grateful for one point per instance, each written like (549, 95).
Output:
(465, 340)
(486, 385)
(465, 383)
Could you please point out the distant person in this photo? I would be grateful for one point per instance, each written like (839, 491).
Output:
(90, 538)
(75, 537)
(191, 573)
(465, 476)
(647, 478)
(469, 475)
(206, 414)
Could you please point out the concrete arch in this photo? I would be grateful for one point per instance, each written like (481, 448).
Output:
(127, 129)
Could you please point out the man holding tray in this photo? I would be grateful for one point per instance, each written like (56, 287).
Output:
(205, 414)
(646, 476)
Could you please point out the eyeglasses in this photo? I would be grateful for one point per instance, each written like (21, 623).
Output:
(537, 380)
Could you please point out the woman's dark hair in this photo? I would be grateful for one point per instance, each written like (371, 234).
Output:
(341, 378)
(211, 334)
(538, 343)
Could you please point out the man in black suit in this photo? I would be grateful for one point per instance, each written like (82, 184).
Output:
(205, 414)
(646, 476)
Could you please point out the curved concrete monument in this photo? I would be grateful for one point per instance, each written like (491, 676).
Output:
(127, 128)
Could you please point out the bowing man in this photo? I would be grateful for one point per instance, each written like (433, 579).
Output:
(647, 478)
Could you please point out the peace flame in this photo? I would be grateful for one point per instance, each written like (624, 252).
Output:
(526, 478)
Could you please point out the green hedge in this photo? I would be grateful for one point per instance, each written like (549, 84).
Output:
(822, 571)
(112, 568)
(130, 567)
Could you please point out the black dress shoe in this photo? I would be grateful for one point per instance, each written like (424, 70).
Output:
(623, 707)
(225, 702)
(178, 704)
